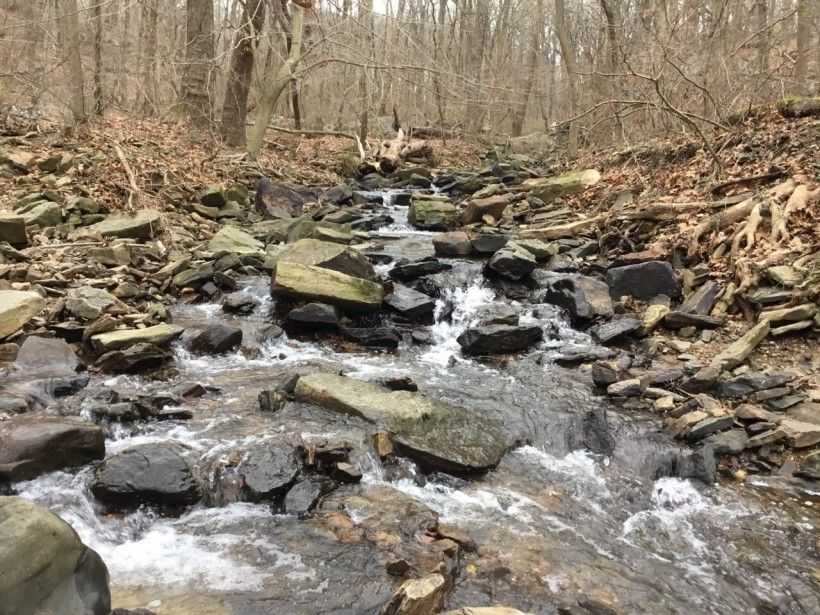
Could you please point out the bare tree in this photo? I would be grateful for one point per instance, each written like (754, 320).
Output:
(197, 84)
(147, 92)
(571, 66)
(70, 40)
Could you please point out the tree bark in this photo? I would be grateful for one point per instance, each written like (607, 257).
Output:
(235, 106)
(70, 41)
(571, 65)
(98, 68)
(532, 67)
(197, 82)
(147, 98)
(275, 84)
(805, 9)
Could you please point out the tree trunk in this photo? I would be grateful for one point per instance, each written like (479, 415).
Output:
(275, 84)
(571, 65)
(366, 17)
(98, 68)
(532, 67)
(805, 9)
(235, 107)
(147, 98)
(70, 39)
(197, 83)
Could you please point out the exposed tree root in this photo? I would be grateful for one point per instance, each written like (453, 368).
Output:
(748, 230)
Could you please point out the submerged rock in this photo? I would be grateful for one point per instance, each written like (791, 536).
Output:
(146, 474)
(32, 444)
(499, 339)
(373, 337)
(45, 567)
(437, 435)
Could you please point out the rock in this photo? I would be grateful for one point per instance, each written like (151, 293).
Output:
(430, 214)
(17, 307)
(234, 241)
(781, 404)
(702, 300)
(615, 329)
(239, 303)
(316, 315)
(454, 243)
(811, 466)
(158, 335)
(707, 427)
(139, 226)
(373, 337)
(271, 401)
(751, 413)
(89, 303)
(643, 280)
(805, 311)
(485, 610)
(784, 275)
(305, 496)
(45, 566)
(328, 255)
(493, 206)
(499, 339)
(133, 359)
(550, 188)
(799, 434)
(625, 388)
(410, 270)
(146, 474)
(435, 434)
(512, 264)
(605, 373)
(13, 230)
(801, 325)
(417, 597)
(297, 281)
(539, 249)
(267, 472)
(40, 355)
(699, 465)
(732, 442)
(583, 297)
(679, 320)
(652, 317)
(751, 382)
(275, 201)
(737, 352)
(212, 196)
(488, 243)
(337, 195)
(33, 444)
(345, 472)
(43, 215)
(410, 303)
(213, 339)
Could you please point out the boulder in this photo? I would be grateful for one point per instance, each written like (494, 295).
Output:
(328, 255)
(811, 466)
(617, 328)
(410, 303)
(437, 435)
(275, 201)
(297, 281)
(373, 337)
(234, 241)
(489, 243)
(550, 188)
(13, 230)
(315, 315)
(493, 206)
(454, 243)
(17, 307)
(45, 356)
(213, 339)
(432, 214)
(643, 280)
(146, 474)
(32, 444)
(267, 472)
(43, 215)
(417, 596)
(337, 195)
(410, 270)
(139, 226)
(583, 297)
(212, 196)
(134, 359)
(499, 339)
(158, 335)
(89, 303)
(512, 263)
(45, 567)
(239, 303)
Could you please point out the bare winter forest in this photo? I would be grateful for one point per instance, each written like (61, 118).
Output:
(605, 71)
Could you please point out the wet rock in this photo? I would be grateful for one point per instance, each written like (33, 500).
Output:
(550, 188)
(698, 465)
(239, 303)
(373, 337)
(46, 567)
(417, 597)
(213, 339)
(17, 308)
(139, 226)
(232, 240)
(13, 230)
(299, 281)
(751, 382)
(488, 243)
(605, 373)
(493, 206)
(158, 335)
(455, 243)
(121, 412)
(271, 401)
(314, 316)
(643, 280)
(267, 472)
(328, 255)
(499, 339)
(305, 495)
(134, 359)
(615, 329)
(345, 472)
(437, 435)
(275, 201)
(33, 444)
(432, 214)
(707, 427)
(512, 263)
(732, 442)
(702, 300)
(485, 610)
(405, 270)
(498, 314)
(146, 474)
(583, 297)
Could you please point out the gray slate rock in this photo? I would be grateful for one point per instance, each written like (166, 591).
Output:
(499, 339)
(643, 280)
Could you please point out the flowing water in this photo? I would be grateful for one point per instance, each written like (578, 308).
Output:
(555, 523)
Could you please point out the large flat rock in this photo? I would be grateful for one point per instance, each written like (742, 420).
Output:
(298, 281)
(328, 255)
(139, 226)
(158, 335)
(17, 307)
(437, 435)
